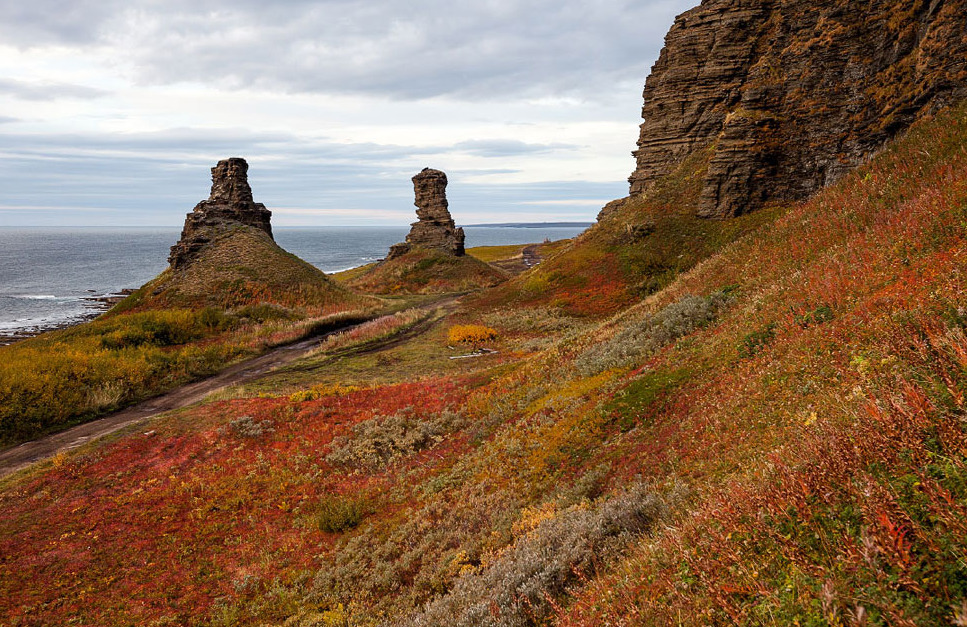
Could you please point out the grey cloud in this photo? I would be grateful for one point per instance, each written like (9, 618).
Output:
(45, 90)
(30, 23)
(155, 178)
(6, 119)
(506, 147)
(413, 50)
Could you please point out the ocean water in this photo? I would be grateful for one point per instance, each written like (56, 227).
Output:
(52, 276)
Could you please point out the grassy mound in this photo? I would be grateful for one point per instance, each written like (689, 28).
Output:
(244, 267)
(423, 271)
(639, 247)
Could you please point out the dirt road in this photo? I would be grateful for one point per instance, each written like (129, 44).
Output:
(27, 453)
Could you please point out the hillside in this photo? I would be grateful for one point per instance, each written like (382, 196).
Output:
(426, 271)
(241, 266)
(776, 433)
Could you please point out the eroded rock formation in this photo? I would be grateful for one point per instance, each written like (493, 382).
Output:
(230, 203)
(435, 228)
(789, 95)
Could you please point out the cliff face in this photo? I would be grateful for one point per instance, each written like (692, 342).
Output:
(792, 94)
(230, 202)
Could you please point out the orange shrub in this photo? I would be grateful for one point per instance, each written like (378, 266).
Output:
(472, 335)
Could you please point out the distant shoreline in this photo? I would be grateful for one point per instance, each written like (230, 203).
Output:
(530, 225)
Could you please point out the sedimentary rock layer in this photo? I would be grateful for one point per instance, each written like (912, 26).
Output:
(230, 202)
(435, 228)
(792, 94)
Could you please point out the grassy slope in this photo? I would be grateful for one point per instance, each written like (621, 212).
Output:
(812, 417)
(423, 271)
(244, 267)
(612, 265)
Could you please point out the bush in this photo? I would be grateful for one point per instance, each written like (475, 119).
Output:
(248, 427)
(382, 440)
(819, 315)
(337, 513)
(472, 335)
(521, 585)
(650, 333)
(754, 342)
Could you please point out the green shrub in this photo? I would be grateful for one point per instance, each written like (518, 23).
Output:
(642, 393)
(646, 335)
(819, 315)
(755, 342)
(337, 513)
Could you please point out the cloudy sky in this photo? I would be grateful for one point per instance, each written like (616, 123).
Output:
(113, 111)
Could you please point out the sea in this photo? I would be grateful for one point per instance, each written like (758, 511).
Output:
(53, 277)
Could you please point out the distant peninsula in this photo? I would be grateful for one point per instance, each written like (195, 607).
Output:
(533, 225)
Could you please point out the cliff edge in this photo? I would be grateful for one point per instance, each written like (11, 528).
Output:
(790, 95)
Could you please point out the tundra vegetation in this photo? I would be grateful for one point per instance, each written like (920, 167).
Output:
(756, 421)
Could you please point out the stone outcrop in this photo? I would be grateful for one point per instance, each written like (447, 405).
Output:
(230, 203)
(789, 95)
(435, 229)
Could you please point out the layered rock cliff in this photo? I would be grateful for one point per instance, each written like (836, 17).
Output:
(230, 202)
(435, 229)
(789, 95)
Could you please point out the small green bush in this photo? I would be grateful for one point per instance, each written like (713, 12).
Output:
(755, 342)
(819, 315)
(337, 513)
(642, 393)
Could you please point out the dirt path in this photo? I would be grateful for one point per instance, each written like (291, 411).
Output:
(531, 255)
(21, 456)
(27, 453)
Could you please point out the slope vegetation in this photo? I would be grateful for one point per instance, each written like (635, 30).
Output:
(775, 436)
(426, 271)
(638, 246)
(244, 266)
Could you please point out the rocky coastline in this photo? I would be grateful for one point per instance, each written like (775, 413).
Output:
(95, 304)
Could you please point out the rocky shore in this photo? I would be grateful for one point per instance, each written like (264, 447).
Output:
(95, 305)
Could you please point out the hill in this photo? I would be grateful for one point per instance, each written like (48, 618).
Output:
(776, 433)
(242, 266)
(432, 260)
(426, 271)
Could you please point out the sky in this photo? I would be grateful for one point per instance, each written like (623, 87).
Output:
(112, 112)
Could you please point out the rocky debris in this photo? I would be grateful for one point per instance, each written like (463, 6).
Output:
(792, 94)
(435, 228)
(230, 203)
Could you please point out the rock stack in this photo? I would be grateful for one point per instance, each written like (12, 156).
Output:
(230, 203)
(435, 229)
(789, 96)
